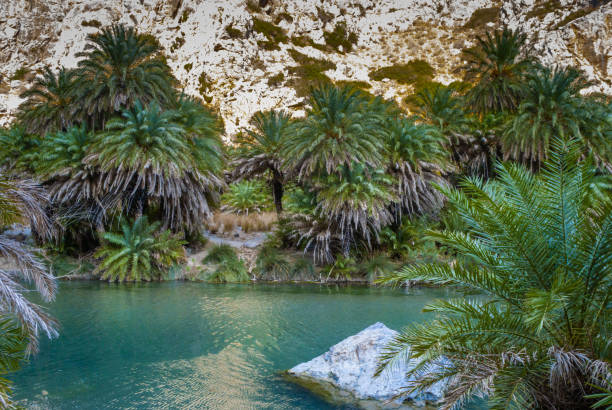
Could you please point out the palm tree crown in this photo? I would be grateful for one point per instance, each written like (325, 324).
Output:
(341, 128)
(554, 107)
(119, 67)
(497, 70)
(49, 104)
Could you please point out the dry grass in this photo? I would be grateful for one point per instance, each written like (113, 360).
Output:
(226, 223)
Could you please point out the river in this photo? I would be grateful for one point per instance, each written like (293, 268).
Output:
(194, 345)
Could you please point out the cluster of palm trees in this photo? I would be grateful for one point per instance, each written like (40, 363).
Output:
(127, 161)
(365, 164)
(114, 138)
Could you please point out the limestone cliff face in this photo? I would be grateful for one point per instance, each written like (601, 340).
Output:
(217, 53)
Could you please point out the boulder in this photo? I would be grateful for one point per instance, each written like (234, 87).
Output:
(345, 374)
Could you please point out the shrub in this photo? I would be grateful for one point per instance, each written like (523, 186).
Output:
(91, 23)
(303, 268)
(360, 85)
(188, 67)
(20, 74)
(253, 6)
(233, 32)
(341, 37)
(177, 43)
(481, 17)
(272, 265)
(230, 268)
(276, 79)
(309, 73)
(139, 252)
(233, 270)
(415, 72)
(303, 59)
(272, 32)
(220, 253)
(377, 266)
(301, 41)
(246, 196)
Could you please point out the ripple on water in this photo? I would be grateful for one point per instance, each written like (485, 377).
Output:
(186, 345)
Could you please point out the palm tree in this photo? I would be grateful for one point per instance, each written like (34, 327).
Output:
(417, 160)
(341, 127)
(355, 202)
(554, 107)
(471, 144)
(497, 68)
(119, 67)
(147, 156)
(21, 320)
(49, 104)
(440, 106)
(139, 252)
(19, 149)
(260, 152)
(203, 130)
(541, 336)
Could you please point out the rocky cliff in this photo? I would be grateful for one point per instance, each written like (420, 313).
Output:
(247, 55)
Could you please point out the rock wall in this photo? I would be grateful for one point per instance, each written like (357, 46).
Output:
(232, 69)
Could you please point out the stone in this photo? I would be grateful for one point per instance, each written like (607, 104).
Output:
(345, 373)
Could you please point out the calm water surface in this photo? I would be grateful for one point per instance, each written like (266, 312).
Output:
(193, 345)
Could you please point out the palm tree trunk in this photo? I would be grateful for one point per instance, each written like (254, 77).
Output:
(277, 190)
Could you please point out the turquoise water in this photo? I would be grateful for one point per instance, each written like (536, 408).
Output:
(193, 345)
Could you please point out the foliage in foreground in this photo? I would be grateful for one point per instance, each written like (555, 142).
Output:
(139, 252)
(22, 321)
(541, 336)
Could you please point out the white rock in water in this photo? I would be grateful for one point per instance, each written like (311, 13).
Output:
(349, 366)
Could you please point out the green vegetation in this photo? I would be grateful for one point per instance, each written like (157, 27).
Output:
(341, 37)
(309, 73)
(276, 79)
(260, 152)
(415, 72)
(19, 74)
(497, 70)
(481, 17)
(131, 170)
(541, 10)
(273, 33)
(233, 32)
(138, 252)
(245, 197)
(542, 332)
(361, 85)
(91, 23)
(230, 268)
(177, 43)
(22, 321)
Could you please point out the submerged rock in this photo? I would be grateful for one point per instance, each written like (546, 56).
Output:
(345, 373)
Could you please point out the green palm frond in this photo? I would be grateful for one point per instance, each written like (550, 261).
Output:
(120, 66)
(259, 152)
(49, 104)
(540, 253)
(497, 68)
(139, 252)
(553, 107)
(342, 127)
